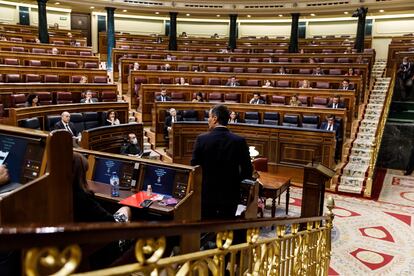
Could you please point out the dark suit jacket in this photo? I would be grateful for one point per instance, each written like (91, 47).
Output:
(94, 100)
(324, 126)
(350, 87)
(230, 84)
(225, 162)
(340, 105)
(258, 101)
(168, 124)
(59, 125)
(167, 98)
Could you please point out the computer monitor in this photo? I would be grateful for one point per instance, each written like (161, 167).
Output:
(23, 157)
(164, 180)
(124, 169)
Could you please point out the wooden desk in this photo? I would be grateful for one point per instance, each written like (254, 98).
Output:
(103, 191)
(273, 186)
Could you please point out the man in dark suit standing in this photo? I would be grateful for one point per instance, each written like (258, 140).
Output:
(66, 124)
(163, 97)
(331, 125)
(225, 161)
(169, 120)
(336, 102)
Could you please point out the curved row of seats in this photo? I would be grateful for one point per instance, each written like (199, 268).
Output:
(49, 51)
(37, 63)
(36, 78)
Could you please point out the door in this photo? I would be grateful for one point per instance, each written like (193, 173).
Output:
(82, 21)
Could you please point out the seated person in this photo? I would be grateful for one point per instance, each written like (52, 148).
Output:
(169, 120)
(256, 99)
(345, 85)
(348, 50)
(267, 83)
(67, 125)
(112, 118)
(282, 71)
(351, 72)
(158, 40)
(232, 82)
(84, 79)
(166, 67)
(305, 84)
(215, 35)
(32, 100)
(130, 147)
(317, 71)
(4, 175)
(199, 98)
(181, 81)
(331, 125)
(55, 51)
(234, 118)
(311, 60)
(294, 101)
(88, 98)
(135, 67)
(336, 102)
(3, 37)
(168, 57)
(183, 34)
(163, 97)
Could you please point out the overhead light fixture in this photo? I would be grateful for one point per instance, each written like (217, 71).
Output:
(124, 10)
(249, 16)
(280, 15)
(346, 12)
(57, 3)
(188, 14)
(312, 14)
(92, 7)
(218, 15)
(381, 11)
(157, 12)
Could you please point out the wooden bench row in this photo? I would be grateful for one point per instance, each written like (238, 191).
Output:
(57, 40)
(35, 30)
(44, 48)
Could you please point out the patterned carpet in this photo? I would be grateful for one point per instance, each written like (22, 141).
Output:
(371, 237)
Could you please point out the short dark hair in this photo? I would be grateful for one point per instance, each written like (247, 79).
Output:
(222, 113)
(347, 80)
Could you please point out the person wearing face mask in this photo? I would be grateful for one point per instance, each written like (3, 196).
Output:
(131, 147)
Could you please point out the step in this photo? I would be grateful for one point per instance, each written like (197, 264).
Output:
(351, 184)
(364, 152)
(360, 159)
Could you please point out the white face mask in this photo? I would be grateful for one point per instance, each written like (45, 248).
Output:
(134, 141)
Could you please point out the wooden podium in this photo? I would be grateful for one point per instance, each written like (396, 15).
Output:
(314, 179)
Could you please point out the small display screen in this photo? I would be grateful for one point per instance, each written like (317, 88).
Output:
(160, 178)
(104, 167)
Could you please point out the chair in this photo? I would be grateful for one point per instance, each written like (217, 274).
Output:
(267, 70)
(197, 81)
(324, 85)
(100, 79)
(138, 81)
(214, 81)
(59, 42)
(177, 96)
(18, 100)
(77, 120)
(85, 53)
(283, 83)
(71, 64)
(254, 60)
(89, 65)
(278, 100)
(271, 118)
(343, 60)
(211, 58)
(303, 100)
(291, 120)
(91, 120)
(17, 49)
(11, 61)
(156, 57)
(187, 58)
(33, 78)
(38, 51)
(231, 98)
(251, 117)
(327, 51)
(267, 50)
(225, 69)
(211, 69)
(190, 116)
(260, 164)
(125, 47)
(252, 70)
(335, 72)
(35, 63)
(252, 83)
(152, 67)
(238, 70)
(199, 58)
(165, 80)
(215, 97)
(45, 98)
(70, 53)
(51, 78)
(240, 59)
(319, 102)
(64, 98)
(280, 51)
(310, 121)
(296, 60)
(109, 96)
(32, 123)
(11, 78)
(181, 67)
(51, 121)
(329, 60)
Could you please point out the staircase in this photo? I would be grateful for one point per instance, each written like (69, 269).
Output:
(355, 174)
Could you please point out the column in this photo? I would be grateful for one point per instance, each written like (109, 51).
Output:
(172, 45)
(233, 32)
(110, 35)
(361, 13)
(41, 10)
(294, 33)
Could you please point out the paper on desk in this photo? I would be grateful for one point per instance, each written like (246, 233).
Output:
(240, 209)
(3, 156)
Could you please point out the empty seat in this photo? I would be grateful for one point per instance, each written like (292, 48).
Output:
(252, 70)
(304, 71)
(240, 59)
(225, 69)
(177, 96)
(310, 121)
(327, 51)
(199, 58)
(251, 117)
(320, 102)
(268, 50)
(343, 60)
(64, 97)
(296, 60)
(278, 100)
(165, 80)
(283, 59)
(187, 58)
(17, 49)
(70, 53)
(267, 70)
(16, 39)
(238, 70)
(252, 82)
(38, 51)
(283, 83)
(18, 100)
(109, 96)
(77, 120)
(33, 78)
(13, 78)
(125, 47)
(280, 51)
(181, 67)
(291, 120)
(271, 118)
(231, 98)
(190, 115)
(59, 42)
(253, 59)
(211, 58)
(324, 85)
(45, 98)
(32, 123)
(156, 57)
(51, 78)
(335, 72)
(71, 64)
(215, 97)
(214, 81)
(100, 79)
(138, 81)
(91, 120)
(197, 81)
(35, 63)
(303, 100)
(211, 69)
(51, 120)
(152, 67)
(85, 53)
(91, 65)
(329, 60)
(11, 61)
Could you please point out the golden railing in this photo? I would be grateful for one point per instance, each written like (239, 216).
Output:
(298, 246)
(378, 137)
